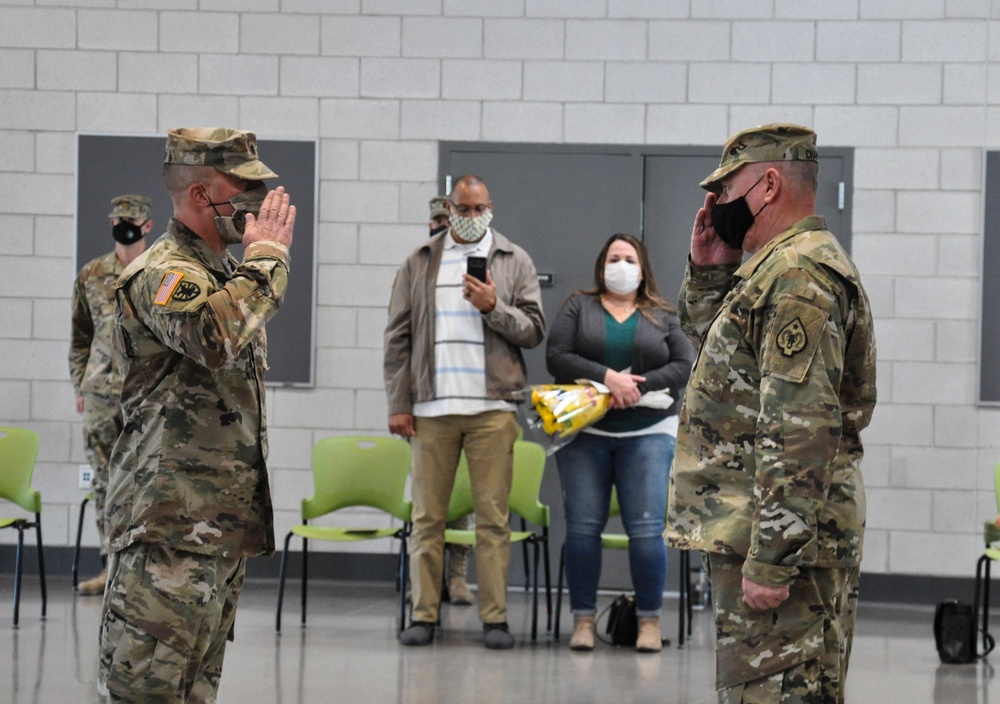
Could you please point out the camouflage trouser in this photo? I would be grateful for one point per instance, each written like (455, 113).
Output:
(102, 424)
(458, 555)
(795, 654)
(166, 619)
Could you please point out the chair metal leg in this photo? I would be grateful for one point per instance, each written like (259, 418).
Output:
(987, 645)
(17, 572)
(559, 591)
(534, 600)
(684, 615)
(41, 562)
(524, 556)
(281, 583)
(79, 537)
(305, 576)
(403, 578)
(548, 579)
(690, 603)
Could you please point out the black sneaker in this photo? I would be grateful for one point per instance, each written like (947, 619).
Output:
(497, 636)
(419, 633)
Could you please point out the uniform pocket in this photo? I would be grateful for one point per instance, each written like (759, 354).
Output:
(162, 593)
(133, 661)
(769, 650)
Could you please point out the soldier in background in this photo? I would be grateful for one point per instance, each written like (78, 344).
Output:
(439, 215)
(97, 382)
(456, 589)
(767, 479)
(188, 500)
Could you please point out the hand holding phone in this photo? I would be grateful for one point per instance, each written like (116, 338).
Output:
(479, 288)
(476, 268)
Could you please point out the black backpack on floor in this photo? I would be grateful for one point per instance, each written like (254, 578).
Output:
(955, 632)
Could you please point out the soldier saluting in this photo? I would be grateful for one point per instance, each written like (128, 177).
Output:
(767, 479)
(188, 499)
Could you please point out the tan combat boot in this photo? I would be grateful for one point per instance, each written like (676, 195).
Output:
(649, 639)
(458, 592)
(95, 586)
(458, 567)
(584, 633)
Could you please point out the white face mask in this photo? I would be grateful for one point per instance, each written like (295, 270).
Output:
(622, 277)
(470, 229)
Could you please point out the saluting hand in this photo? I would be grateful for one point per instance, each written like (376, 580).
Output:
(706, 246)
(274, 223)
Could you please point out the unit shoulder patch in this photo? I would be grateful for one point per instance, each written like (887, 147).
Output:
(792, 338)
(186, 291)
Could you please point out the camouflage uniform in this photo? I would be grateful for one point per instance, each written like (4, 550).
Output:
(96, 378)
(94, 375)
(189, 498)
(766, 478)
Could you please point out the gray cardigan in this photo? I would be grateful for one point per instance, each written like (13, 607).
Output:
(575, 349)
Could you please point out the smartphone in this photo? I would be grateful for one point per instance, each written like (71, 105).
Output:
(477, 268)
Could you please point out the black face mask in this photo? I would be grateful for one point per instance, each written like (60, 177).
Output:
(438, 229)
(127, 232)
(733, 220)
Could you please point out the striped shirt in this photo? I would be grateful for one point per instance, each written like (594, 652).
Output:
(459, 351)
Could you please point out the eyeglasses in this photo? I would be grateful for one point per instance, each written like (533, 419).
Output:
(466, 210)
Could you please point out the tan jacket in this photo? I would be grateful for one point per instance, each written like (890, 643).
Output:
(516, 322)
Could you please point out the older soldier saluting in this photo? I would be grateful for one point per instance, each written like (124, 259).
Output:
(767, 479)
(188, 500)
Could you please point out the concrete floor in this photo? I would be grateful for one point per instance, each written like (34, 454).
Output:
(348, 653)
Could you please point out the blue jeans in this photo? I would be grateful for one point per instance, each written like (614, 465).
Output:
(639, 468)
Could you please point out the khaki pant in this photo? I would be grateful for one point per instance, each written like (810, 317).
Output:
(488, 441)
(795, 654)
(167, 616)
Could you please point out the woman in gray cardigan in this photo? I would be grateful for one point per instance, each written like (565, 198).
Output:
(623, 334)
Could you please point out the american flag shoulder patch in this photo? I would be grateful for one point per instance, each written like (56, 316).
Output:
(167, 286)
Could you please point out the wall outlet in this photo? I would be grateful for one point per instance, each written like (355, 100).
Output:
(86, 476)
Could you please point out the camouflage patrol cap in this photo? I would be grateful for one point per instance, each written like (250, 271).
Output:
(437, 207)
(129, 206)
(228, 150)
(773, 142)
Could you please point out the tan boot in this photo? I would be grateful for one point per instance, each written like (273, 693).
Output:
(649, 639)
(458, 567)
(584, 633)
(458, 592)
(95, 586)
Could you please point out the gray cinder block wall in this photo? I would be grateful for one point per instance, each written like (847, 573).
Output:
(913, 85)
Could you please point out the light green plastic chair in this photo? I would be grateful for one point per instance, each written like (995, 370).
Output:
(18, 450)
(526, 483)
(354, 471)
(991, 531)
